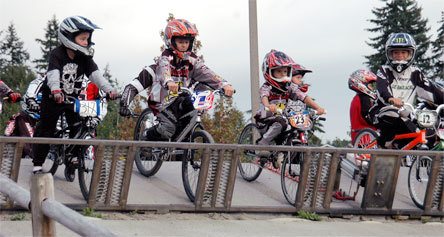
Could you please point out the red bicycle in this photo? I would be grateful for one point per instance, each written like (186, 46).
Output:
(431, 123)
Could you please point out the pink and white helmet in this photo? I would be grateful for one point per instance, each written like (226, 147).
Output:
(359, 81)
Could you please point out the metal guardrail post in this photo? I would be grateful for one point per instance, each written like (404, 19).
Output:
(10, 157)
(434, 198)
(111, 176)
(333, 176)
(216, 180)
(316, 186)
(381, 182)
(203, 173)
(96, 175)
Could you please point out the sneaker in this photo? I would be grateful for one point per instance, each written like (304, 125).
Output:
(37, 170)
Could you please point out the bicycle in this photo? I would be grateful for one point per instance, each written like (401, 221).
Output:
(149, 160)
(77, 157)
(250, 165)
(420, 167)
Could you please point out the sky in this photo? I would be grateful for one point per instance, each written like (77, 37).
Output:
(328, 37)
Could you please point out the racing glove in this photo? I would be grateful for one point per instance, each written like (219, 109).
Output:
(127, 96)
(14, 96)
(58, 96)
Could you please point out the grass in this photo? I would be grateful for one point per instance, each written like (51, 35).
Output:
(91, 213)
(18, 217)
(308, 215)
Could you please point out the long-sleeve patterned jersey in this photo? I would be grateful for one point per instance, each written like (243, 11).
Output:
(280, 99)
(407, 85)
(185, 71)
(68, 74)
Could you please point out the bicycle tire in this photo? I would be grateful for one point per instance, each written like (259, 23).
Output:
(147, 164)
(418, 189)
(365, 137)
(291, 169)
(86, 168)
(252, 167)
(191, 165)
(53, 157)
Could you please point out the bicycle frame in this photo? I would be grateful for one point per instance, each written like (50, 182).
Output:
(417, 138)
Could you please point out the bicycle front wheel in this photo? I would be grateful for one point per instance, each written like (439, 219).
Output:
(418, 179)
(147, 161)
(250, 165)
(291, 175)
(85, 170)
(365, 139)
(191, 165)
(53, 160)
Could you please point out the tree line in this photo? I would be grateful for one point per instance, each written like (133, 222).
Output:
(225, 123)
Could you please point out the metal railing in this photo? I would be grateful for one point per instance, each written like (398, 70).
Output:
(114, 160)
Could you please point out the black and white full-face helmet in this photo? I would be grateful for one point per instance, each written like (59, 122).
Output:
(71, 27)
(400, 41)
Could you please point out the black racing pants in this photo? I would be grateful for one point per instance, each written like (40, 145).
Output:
(46, 127)
(390, 127)
(170, 119)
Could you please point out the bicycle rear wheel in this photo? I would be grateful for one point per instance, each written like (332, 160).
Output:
(85, 170)
(191, 165)
(419, 174)
(147, 162)
(250, 165)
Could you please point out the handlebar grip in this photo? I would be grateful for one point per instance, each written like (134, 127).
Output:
(322, 118)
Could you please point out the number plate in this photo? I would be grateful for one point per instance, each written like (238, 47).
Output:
(300, 121)
(90, 108)
(203, 100)
(426, 118)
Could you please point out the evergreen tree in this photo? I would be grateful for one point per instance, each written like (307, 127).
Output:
(399, 16)
(13, 70)
(12, 52)
(17, 77)
(314, 140)
(107, 129)
(438, 52)
(49, 43)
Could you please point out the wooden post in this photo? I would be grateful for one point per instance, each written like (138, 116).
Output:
(42, 187)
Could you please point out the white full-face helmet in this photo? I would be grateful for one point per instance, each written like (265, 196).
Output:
(73, 26)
